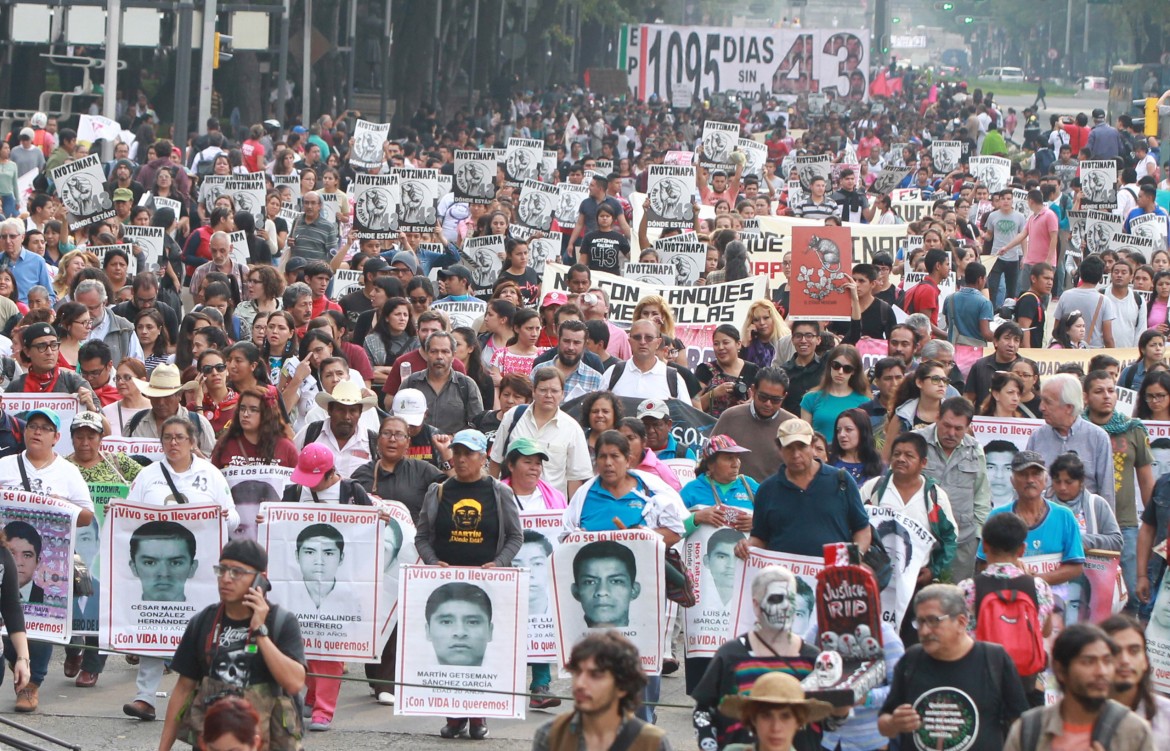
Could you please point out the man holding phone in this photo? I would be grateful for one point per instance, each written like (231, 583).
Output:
(240, 643)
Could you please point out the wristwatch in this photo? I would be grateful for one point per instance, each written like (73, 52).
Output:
(261, 630)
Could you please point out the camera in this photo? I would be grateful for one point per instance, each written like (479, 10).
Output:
(740, 391)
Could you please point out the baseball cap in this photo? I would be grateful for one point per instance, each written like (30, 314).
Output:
(408, 259)
(1098, 114)
(653, 408)
(462, 272)
(554, 298)
(28, 133)
(723, 444)
(296, 264)
(528, 447)
(91, 420)
(48, 414)
(314, 463)
(123, 194)
(300, 129)
(1027, 459)
(36, 331)
(374, 265)
(410, 405)
(794, 430)
(472, 439)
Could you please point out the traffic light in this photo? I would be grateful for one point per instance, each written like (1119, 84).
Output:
(968, 19)
(944, 6)
(221, 50)
(895, 19)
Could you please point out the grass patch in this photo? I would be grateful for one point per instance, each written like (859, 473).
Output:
(1013, 88)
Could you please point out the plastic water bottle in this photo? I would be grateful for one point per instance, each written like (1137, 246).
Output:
(404, 371)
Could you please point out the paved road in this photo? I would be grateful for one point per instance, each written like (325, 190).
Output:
(93, 719)
(1084, 101)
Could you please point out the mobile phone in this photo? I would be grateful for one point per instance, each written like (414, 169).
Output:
(262, 582)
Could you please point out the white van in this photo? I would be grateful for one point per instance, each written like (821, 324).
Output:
(1012, 75)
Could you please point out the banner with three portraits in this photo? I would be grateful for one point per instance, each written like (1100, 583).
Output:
(41, 532)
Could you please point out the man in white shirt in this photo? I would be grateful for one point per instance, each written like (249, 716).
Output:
(1127, 193)
(644, 376)
(338, 432)
(1129, 307)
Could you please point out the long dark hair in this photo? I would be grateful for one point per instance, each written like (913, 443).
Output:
(163, 340)
(1161, 378)
(290, 346)
(186, 334)
(908, 389)
(272, 428)
(475, 369)
(523, 316)
(251, 353)
(1060, 333)
(1122, 622)
(382, 329)
(871, 460)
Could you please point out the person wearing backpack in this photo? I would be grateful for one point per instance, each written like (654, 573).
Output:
(1002, 593)
(950, 691)
(1084, 717)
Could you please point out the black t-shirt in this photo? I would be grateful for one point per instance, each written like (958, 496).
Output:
(1028, 306)
(216, 646)
(529, 284)
(874, 323)
(467, 525)
(487, 422)
(422, 448)
(589, 209)
(353, 305)
(979, 377)
(889, 295)
(969, 703)
(605, 250)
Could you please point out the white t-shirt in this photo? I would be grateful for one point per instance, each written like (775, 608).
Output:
(201, 483)
(59, 478)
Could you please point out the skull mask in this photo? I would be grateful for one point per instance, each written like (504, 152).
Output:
(828, 669)
(777, 607)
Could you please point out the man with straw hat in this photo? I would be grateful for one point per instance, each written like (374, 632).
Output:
(773, 709)
(163, 390)
(339, 432)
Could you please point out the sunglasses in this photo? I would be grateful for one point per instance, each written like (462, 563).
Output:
(844, 367)
(209, 369)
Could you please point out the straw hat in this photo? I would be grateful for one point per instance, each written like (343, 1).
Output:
(776, 688)
(346, 393)
(165, 380)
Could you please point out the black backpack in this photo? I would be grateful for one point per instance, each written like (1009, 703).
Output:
(313, 432)
(136, 420)
(671, 383)
(1032, 723)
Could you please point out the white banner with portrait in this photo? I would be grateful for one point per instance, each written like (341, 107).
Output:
(541, 529)
(252, 485)
(157, 573)
(65, 405)
(612, 580)
(805, 567)
(397, 549)
(709, 555)
(325, 566)
(908, 544)
(1002, 438)
(463, 632)
(41, 532)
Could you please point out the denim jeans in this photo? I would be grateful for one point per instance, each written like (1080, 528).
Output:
(1001, 281)
(8, 204)
(39, 654)
(651, 694)
(541, 675)
(1129, 538)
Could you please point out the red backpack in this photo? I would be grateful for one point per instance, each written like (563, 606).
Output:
(1006, 614)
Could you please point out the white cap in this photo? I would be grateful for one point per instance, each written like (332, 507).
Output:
(410, 405)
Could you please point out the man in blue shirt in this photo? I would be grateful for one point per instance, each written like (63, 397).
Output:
(968, 312)
(655, 415)
(806, 504)
(1147, 203)
(1052, 527)
(28, 269)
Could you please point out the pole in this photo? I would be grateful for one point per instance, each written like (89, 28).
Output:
(306, 63)
(438, 54)
(383, 114)
(352, 53)
(110, 85)
(474, 49)
(205, 69)
(183, 71)
(1085, 43)
(1068, 38)
(282, 64)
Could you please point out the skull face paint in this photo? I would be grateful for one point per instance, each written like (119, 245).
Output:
(775, 610)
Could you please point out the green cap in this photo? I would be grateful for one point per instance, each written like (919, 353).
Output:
(528, 447)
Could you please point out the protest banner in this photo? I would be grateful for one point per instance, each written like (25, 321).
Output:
(150, 449)
(253, 483)
(912, 211)
(248, 191)
(1158, 638)
(65, 405)
(719, 141)
(611, 580)
(419, 189)
(809, 166)
(451, 616)
(946, 155)
(91, 128)
(839, 167)
(1097, 593)
(485, 257)
(522, 160)
(908, 544)
(1091, 231)
(804, 567)
(475, 176)
(548, 167)
(87, 546)
(686, 256)
(822, 258)
(1126, 401)
(1020, 201)
(1065, 174)
(670, 190)
(992, 171)
(1002, 438)
(289, 188)
(460, 312)
(128, 248)
(375, 211)
(1152, 226)
(569, 198)
(397, 549)
(1159, 445)
(776, 236)
(149, 241)
(889, 179)
(214, 186)
(661, 274)
(541, 529)
(1099, 183)
(325, 566)
(157, 573)
(1123, 243)
(906, 195)
(538, 201)
(81, 187)
(691, 427)
(40, 532)
(344, 282)
(709, 555)
(240, 252)
(683, 469)
(679, 158)
(757, 156)
(369, 140)
(1049, 360)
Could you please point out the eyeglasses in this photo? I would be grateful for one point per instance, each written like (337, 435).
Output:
(933, 621)
(219, 367)
(231, 573)
(246, 410)
(145, 302)
(418, 301)
(44, 347)
(10, 237)
(643, 337)
(394, 435)
(253, 281)
(175, 438)
(124, 378)
(806, 335)
(1152, 397)
(93, 373)
(769, 398)
(936, 379)
(39, 427)
(844, 367)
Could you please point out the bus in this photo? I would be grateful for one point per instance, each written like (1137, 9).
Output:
(1127, 85)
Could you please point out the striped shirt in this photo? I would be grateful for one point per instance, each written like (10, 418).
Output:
(809, 209)
(314, 241)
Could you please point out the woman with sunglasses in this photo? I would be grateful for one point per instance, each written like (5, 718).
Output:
(72, 324)
(843, 386)
(1004, 399)
(212, 396)
(265, 287)
(725, 381)
(918, 400)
